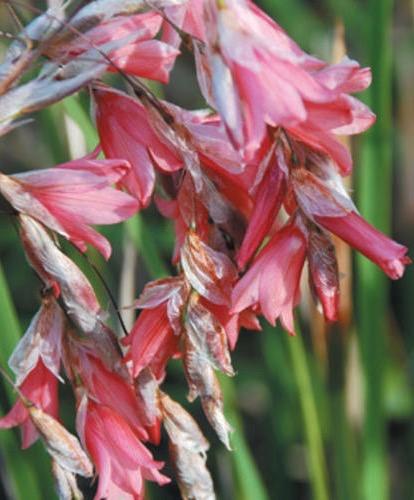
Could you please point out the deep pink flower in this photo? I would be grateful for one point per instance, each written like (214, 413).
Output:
(125, 132)
(268, 196)
(324, 200)
(389, 255)
(110, 389)
(39, 387)
(121, 460)
(255, 75)
(70, 197)
(272, 282)
(152, 341)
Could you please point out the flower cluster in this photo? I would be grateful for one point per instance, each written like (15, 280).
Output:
(253, 186)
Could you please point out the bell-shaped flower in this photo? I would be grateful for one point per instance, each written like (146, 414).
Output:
(105, 386)
(152, 341)
(140, 54)
(272, 282)
(269, 191)
(323, 199)
(255, 75)
(125, 132)
(121, 460)
(71, 196)
(40, 387)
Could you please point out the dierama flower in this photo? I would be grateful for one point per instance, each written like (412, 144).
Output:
(70, 197)
(40, 388)
(121, 460)
(272, 282)
(249, 60)
(125, 132)
(323, 199)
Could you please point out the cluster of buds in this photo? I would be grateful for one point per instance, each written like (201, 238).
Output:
(253, 186)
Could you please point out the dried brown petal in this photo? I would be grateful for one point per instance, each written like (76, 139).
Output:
(188, 448)
(147, 390)
(203, 382)
(159, 291)
(42, 339)
(193, 477)
(55, 268)
(182, 429)
(65, 483)
(208, 336)
(175, 307)
(211, 273)
(324, 275)
(62, 446)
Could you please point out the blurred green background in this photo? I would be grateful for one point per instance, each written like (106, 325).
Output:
(325, 415)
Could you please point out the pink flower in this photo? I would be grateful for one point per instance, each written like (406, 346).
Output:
(121, 460)
(152, 341)
(272, 282)
(255, 75)
(136, 53)
(324, 200)
(389, 255)
(69, 197)
(269, 190)
(110, 389)
(39, 387)
(125, 132)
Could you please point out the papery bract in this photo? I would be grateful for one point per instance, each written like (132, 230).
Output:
(323, 272)
(211, 273)
(42, 339)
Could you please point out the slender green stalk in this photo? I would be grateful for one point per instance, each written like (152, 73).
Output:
(302, 374)
(345, 465)
(250, 484)
(374, 195)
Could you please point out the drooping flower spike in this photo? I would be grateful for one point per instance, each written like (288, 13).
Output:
(253, 187)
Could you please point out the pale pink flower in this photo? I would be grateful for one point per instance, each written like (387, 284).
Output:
(140, 54)
(70, 197)
(255, 75)
(121, 460)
